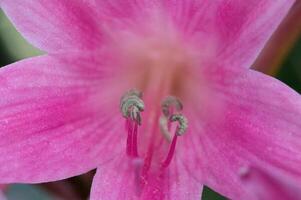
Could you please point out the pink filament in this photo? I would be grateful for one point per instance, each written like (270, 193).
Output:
(129, 138)
(132, 129)
(170, 152)
(134, 140)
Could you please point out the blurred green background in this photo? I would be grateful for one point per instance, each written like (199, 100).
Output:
(13, 48)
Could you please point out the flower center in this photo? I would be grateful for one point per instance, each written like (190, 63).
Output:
(163, 70)
(160, 67)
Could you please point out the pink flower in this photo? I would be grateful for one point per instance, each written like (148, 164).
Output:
(60, 113)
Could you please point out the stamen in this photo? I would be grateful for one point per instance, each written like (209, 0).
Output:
(171, 108)
(131, 105)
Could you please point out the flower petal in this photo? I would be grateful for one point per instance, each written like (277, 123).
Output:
(258, 123)
(246, 27)
(235, 32)
(56, 118)
(240, 28)
(119, 179)
(54, 25)
(267, 185)
(124, 14)
(114, 180)
(123, 8)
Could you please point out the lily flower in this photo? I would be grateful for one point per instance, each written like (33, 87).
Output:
(155, 94)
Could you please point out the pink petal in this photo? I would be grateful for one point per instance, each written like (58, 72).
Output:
(56, 120)
(267, 185)
(123, 9)
(246, 27)
(119, 180)
(236, 31)
(55, 25)
(258, 123)
(240, 28)
(115, 180)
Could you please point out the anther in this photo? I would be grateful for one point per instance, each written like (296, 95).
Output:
(171, 104)
(183, 123)
(131, 105)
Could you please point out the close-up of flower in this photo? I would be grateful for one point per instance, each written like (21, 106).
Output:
(157, 95)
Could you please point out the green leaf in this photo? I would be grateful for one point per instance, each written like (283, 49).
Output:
(209, 194)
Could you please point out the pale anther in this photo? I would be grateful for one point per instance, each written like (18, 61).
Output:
(131, 105)
(169, 103)
(171, 108)
(183, 123)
